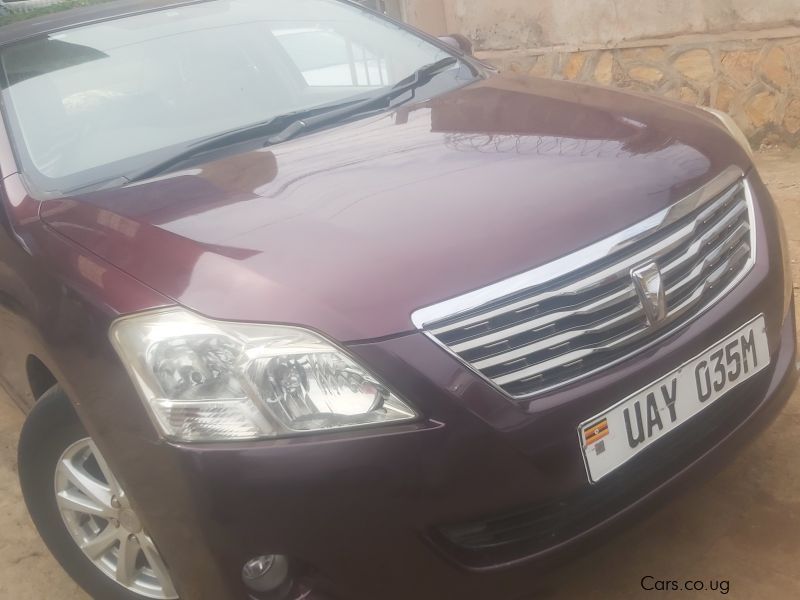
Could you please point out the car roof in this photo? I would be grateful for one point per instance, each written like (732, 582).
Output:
(66, 19)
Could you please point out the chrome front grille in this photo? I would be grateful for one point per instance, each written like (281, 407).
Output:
(568, 319)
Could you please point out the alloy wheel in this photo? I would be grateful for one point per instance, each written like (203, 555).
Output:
(98, 516)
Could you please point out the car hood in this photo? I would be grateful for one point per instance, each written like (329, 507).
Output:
(350, 230)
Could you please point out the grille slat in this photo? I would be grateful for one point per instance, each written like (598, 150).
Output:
(614, 272)
(727, 220)
(577, 322)
(730, 243)
(598, 304)
(568, 336)
(714, 279)
(597, 280)
(568, 358)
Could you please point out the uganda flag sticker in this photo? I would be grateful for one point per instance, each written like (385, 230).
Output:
(595, 432)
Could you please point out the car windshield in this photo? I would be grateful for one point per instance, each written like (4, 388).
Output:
(101, 100)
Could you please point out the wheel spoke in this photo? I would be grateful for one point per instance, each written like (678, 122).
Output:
(156, 564)
(77, 502)
(89, 497)
(113, 484)
(126, 560)
(97, 547)
(94, 489)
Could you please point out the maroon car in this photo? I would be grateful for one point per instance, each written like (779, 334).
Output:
(303, 303)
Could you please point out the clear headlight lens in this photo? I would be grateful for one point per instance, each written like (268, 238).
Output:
(204, 380)
(734, 129)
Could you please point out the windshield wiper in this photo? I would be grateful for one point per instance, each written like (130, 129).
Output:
(284, 127)
(380, 102)
(232, 137)
(424, 74)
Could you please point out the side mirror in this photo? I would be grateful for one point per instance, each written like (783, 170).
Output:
(459, 42)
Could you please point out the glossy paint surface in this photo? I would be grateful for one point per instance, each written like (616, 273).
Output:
(349, 231)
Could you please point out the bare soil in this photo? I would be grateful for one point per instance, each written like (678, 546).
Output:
(742, 526)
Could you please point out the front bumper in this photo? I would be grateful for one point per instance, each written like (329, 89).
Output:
(364, 517)
(372, 514)
(377, 514)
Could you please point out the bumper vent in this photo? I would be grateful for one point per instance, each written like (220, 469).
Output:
(578, 315)
(522, 533)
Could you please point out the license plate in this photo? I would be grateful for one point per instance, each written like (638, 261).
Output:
(615, 436)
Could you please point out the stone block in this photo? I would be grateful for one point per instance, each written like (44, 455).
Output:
(604, 70)
(688, 95)
(723, 97)
(696, 65)
(654, 54)
(740, 65)
(574, 65)
(761, 108)
(644, 74)
(791, 119)
(793, 53)
(543, 66)
(775, 67)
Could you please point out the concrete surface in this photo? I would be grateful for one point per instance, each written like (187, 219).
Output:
(742, 526)
(508, 24)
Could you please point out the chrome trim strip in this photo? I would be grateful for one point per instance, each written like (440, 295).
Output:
(617, 271)
(615, 321)
(698, 244)
(473, 300)
(586, 256)
(728, 244)
(626, 293)
(674, 314)
(564, 359)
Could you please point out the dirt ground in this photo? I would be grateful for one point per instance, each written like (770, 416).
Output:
(740, 527)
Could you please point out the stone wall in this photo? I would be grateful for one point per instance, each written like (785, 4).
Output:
(740, 56)
(515, 24)
(756, 80)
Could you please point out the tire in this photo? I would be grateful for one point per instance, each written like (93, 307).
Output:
(50, 430)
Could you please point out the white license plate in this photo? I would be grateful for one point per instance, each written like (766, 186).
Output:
(615, 436)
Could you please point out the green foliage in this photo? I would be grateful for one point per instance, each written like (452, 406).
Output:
(23, 15)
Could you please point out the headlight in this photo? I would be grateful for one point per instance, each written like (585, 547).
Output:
(735, 131)
(204, 380)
